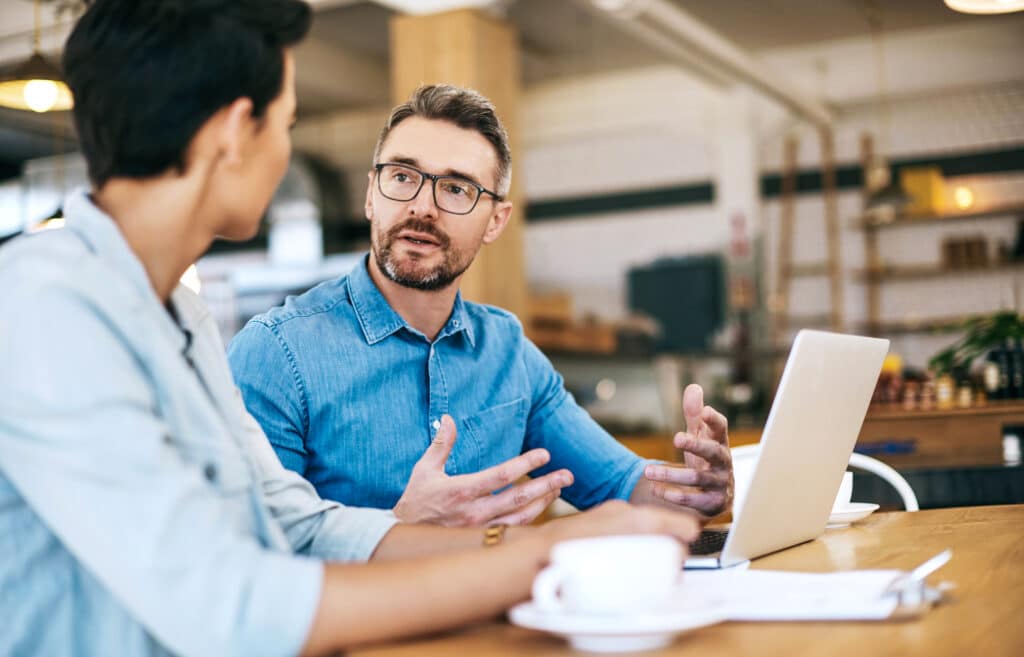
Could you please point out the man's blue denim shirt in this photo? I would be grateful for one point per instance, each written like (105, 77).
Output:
(350, 396)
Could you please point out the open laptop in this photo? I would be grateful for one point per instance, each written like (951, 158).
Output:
(811, 430)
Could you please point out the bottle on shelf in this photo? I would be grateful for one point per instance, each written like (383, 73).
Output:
(944, 388)
(964, 390)
(990, 376)
(1002, 361)
(927, 395)
(1016, 368)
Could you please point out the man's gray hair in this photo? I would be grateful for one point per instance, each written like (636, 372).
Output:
(465, 108)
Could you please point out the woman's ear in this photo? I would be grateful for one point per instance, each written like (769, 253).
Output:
(236, 129)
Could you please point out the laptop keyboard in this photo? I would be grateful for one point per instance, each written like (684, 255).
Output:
(710, 541)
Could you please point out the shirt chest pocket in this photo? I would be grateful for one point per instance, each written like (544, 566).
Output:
(491, 436)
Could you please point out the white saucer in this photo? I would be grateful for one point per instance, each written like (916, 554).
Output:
(851, 512)
(619, 633)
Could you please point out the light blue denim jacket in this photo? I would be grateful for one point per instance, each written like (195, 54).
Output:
(142, 510)
(350, 395)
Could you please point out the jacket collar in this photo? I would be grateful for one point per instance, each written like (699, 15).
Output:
(102, 236)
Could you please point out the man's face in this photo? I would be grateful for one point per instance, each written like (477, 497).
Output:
(414, 243)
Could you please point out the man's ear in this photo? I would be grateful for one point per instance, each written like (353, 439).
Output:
(499, 219)
(368, 207)
(236, 129)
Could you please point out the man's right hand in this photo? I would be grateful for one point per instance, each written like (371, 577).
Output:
(432, 496)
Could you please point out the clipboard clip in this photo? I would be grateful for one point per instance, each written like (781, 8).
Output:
(913, 595)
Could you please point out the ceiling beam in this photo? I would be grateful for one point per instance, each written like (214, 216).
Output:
(417, 7)
(339, 77)
(695, 45)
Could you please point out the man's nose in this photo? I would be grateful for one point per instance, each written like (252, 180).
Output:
(423, 204)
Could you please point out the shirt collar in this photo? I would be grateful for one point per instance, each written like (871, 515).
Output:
(379, 320)
(102, 236)
(459, 321)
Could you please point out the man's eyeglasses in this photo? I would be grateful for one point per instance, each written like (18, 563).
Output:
(453, 194)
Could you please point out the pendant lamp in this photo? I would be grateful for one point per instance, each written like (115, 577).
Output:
(36, 84)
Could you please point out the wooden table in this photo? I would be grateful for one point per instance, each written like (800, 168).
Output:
(985, 616)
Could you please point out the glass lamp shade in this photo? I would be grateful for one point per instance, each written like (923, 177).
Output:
(36, 85)
(985, 6)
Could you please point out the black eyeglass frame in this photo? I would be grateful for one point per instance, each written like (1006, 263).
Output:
(424, 176)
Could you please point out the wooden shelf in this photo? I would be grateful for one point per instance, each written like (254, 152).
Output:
(956, 437)
(909, 220)
(991, 407)
(808, 321)
(920, 272)
(808, 270)
(912, 326)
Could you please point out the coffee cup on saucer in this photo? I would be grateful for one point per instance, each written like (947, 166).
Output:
(845, 493)
(844, 511)
(610, 575)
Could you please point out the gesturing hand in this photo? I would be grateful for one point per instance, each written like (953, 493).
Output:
(705, 484)
(432, 496)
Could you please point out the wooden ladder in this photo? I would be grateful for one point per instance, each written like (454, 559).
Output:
(831, 265)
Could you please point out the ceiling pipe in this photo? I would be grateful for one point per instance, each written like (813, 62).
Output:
(679, 53)
(697, 46)
(415, 7)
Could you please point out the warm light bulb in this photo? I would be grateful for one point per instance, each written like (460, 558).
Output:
(605, 389)
(963, 197)
(41, 95)
(986, 6)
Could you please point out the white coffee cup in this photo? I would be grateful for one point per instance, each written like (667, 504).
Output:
(610, 575)
(845, 493)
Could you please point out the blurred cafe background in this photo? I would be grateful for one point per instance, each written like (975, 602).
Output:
(694, 181)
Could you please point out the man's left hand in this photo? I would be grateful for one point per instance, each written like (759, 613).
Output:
(705, 482)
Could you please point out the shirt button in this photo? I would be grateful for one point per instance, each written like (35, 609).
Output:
(436, 424)
(210, 472)
(455, 322)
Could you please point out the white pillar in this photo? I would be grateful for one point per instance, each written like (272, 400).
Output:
(737, 197)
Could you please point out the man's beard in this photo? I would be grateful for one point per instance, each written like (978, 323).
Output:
(409, 273)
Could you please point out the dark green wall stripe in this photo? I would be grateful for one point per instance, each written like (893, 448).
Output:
(807, 182)
(851, 177)
(568, 208)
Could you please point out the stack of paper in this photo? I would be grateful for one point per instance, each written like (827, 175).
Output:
(769, 595)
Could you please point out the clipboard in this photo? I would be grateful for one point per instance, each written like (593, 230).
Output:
(769, 595)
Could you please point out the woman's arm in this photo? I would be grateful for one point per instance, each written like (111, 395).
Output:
(386, 600)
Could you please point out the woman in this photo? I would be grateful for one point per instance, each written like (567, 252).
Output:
(142, 511)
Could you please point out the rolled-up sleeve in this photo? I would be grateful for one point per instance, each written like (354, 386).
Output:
(82, 443)
(314, 526)
(267, 376)
(602, 467)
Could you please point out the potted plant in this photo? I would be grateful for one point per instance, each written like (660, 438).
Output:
(999, 335)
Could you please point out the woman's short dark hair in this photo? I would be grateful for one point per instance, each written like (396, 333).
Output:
(147, 74)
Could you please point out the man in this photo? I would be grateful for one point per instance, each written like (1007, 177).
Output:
(142, 511)
(353, 380)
